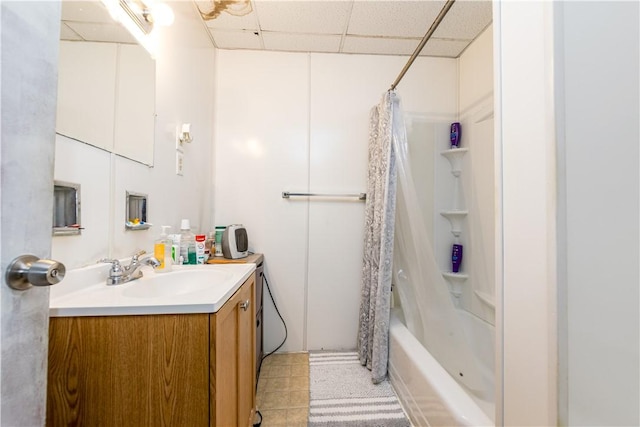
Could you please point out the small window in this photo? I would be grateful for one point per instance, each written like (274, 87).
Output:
(66, 209)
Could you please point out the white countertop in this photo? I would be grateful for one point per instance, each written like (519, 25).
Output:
(186, 289)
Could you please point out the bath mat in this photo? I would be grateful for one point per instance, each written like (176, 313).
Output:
(342, 394)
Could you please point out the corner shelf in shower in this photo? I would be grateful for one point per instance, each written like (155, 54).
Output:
(455, 156)
(455, 219)
(455, 281)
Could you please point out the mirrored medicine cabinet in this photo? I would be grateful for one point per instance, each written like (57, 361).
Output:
(66, 209)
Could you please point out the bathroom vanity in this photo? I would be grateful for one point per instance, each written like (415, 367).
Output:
(129, 366)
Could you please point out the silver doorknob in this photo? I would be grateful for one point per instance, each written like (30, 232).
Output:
(27, 270)
(244, 305)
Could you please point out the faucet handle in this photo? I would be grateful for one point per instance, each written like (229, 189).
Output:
(116, 273)
(115, 265)
(138, 254)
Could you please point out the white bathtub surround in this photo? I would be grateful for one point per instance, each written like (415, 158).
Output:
(373, 332)
(341, 393)
(427, 392)
(422, 290)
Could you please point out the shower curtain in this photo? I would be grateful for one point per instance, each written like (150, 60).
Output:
(398, 247)
(373, 331)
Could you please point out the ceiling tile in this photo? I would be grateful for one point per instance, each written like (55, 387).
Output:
(379, 45)
(465, 20)
(66, 33)
(444, 48)
(87, 11)
(310, 17)
(102, 32)
(236, 39)
(227, 21)
(393, 18)
(301, 42)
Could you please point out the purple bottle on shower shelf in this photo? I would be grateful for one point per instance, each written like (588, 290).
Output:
(456, 257)
(455, 135)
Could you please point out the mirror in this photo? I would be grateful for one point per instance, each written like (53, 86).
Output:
(106, 83)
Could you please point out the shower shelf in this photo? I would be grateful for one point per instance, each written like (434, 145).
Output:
(455, 218)
(455, 156)
(455, 281)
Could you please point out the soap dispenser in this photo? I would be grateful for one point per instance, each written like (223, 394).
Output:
(162, 251)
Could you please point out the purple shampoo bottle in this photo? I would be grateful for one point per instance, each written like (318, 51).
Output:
(455, 135)
(456, 257)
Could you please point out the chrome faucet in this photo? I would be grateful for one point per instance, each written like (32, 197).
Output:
(119, 274)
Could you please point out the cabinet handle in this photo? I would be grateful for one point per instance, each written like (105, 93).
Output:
(244, 305)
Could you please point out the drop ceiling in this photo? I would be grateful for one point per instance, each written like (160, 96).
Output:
(391, 27)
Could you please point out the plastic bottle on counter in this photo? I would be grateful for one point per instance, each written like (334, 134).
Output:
(210, 246)
(175, 248)
(219, 231)
(187, 243)
(200, 248)
(162, 251)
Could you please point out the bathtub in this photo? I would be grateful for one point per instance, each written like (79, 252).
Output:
(428, 393)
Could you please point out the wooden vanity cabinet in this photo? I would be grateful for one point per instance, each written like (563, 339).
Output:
(232, 354)
(154, 370)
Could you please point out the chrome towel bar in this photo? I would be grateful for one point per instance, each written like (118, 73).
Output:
(287, 194)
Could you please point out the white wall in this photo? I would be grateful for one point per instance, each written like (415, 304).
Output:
(598, 69)
(299, 122)
(184, 94)
(574, 288)
(525, 133)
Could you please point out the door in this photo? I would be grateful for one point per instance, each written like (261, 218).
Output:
(30, 33)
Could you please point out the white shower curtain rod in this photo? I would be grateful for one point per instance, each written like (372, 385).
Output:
(424, 40)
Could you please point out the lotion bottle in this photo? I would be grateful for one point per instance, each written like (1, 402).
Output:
(456, 257)
(162, 251)
(455, 135)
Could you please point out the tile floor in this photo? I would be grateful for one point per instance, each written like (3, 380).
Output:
(283, 390)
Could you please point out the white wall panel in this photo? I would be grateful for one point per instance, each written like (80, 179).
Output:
(262, 143)
(300, 122)
(91, 244)
(476, 71)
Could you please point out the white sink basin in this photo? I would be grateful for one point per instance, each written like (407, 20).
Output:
(186, 289)
(175, 283)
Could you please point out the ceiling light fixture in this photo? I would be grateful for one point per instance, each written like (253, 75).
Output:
(139, 18)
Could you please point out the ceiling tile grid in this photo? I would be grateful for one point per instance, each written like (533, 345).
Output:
(237, 39)
(301, 42)
(379, 27)
(309, 17)
(395, 19)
